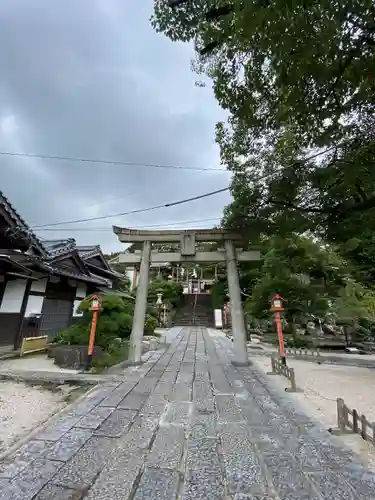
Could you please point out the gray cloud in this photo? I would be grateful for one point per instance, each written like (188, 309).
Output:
(90, 78)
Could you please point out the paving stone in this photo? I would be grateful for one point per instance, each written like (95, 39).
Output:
(242, 466)
(133, 401)
(253, 414)
(116, 424)
(308, 456)
(139, 437)
(157, 483)
(246, 440)
(202, 454)
(166, 451)
(58, 428)
(241, 496)
(164, 388)
(81, 470)
(147, 384)
(337, 456)
(362, 482)
(181, 392)
(118, 395)
(203, 426)
(205, 405)
(155, 405)
(52, 492)
(93, 419)
(332, 486)
(68, 445)
(24, 456)
(202, 485)
(267, 440)
(31, 480)
(228, 409)
(178, 413)
(289, 482)
(116, 480)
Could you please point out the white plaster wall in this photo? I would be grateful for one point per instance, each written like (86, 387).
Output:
(13, 296)
(39, 286)
(75, 307)
(34, 305)
(81, 291)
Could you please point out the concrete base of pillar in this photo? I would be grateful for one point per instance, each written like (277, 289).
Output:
(135, 363)
(241, 363)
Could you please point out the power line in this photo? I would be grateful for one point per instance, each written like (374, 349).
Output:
(105, 229)
(140, 210)
(109, 162)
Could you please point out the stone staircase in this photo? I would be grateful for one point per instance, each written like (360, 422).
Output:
(197, 312)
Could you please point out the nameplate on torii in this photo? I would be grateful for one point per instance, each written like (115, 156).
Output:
(187, 244)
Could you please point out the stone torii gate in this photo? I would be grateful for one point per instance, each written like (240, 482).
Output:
(187, 253)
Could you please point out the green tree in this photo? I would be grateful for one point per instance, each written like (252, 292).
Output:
(307, 275)
(297, 82)
(115, 321)
(309, 63)
(172, 292)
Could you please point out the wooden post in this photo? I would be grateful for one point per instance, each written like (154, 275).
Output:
(364, 427)
(293, 380)
(355, 421)
(341, 421)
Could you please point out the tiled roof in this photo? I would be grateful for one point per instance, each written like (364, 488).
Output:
(20, 222)
(56, 248)
(89, 251)
(91, 278)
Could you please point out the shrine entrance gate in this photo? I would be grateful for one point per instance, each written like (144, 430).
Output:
(188, 253)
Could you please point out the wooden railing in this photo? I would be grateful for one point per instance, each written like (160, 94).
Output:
(350, 419)
(279, 368)
(302, 352)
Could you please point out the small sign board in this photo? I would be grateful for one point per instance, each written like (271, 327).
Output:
(218, 318)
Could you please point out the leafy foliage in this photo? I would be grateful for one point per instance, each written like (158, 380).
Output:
(297, 81)
(115, 321)
(171, 291)
(307, 275)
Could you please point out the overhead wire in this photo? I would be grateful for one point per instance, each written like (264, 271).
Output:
(109, 162)
(131, 212)
(92, 229)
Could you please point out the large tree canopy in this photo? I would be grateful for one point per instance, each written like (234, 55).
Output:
(275, 63)
(297, 79)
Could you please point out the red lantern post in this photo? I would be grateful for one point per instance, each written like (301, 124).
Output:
(277, 308)
(95, 308)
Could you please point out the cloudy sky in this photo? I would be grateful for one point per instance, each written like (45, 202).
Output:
(91, 79)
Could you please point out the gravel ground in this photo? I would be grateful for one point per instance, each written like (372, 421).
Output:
(321, 385)
(36, 362)
(24, 407)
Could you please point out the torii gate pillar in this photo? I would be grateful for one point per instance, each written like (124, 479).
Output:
(237, 315)
(140, 306)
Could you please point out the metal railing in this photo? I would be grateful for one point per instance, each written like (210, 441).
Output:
(350, 419)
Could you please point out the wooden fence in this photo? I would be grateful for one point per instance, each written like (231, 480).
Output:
(302, 352)
(348, 419)
(279, 368)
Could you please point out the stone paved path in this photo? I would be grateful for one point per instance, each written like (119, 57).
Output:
(185, 425)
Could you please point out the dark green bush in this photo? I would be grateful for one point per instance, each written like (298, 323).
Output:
(299, 342)
(151, 324)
